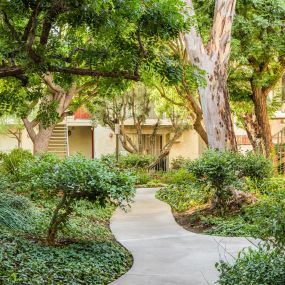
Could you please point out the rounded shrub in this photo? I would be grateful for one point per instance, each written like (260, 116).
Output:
(263, 266)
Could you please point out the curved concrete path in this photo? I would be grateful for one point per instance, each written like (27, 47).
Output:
(164, 253)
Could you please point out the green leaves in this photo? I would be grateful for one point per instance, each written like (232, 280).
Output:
(262, 266)
(84, 263)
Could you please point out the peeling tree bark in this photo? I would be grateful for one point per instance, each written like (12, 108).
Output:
(213, 59)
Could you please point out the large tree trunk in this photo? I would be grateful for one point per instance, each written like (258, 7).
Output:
(41, 140)
(260, 108)
(213, 59)
(216, 110)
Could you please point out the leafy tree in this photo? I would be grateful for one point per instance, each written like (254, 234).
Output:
(60, 49)
(258, 58)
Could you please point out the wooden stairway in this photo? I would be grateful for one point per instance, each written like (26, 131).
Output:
(58, 143)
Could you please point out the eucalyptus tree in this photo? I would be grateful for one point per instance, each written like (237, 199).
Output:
(55, 53)
(210, 52)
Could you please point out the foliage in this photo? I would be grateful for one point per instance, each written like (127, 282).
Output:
(15, 212)
(135, 161)
(224, 171)
(182, 197)
(178, 177)
(179, 162)
(80, 45)
(76, 178)
(216, 169)
(255, 167)
(83, 263)
(11, 162)
(142, 177)
(263, 266)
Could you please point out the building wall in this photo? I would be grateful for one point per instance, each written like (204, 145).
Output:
(189, 146)
(104, 141)
(80, 140)
(7, 143)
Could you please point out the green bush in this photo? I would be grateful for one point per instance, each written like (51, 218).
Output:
(134, 161)
(180, 176)
(182, 197)
(129, 161)
(263, 266)
(25, 262)
(76, 178)
(142, 177)
(225, 172)
(12, 162)
(255, 167)
(179, 162)
(217, 169)
(16, 212)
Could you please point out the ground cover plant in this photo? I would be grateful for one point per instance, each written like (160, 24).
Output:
(83, 249)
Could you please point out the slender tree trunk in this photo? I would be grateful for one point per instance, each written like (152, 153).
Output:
(260, 108)
(199, 128)
(41, 140)
(252, 129)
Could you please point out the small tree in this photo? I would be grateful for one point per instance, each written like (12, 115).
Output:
(137, 105)
(76, 178)
(13, 128)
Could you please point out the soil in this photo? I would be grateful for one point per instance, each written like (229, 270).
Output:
(191, 219)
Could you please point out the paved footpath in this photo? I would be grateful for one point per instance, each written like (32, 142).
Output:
(164, 253)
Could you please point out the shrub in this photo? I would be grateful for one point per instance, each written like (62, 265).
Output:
(142, 177)
(11, 163)
(134, 161)
(263, 266)
(15, 212)
(225, 172)
(216, 168)
(179, 162)
(76, 178)
(182, 197)
(129, 161)
(269, 215)
(181, 176)
(255, 167)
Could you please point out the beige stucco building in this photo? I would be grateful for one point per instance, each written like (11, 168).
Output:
(79, 134)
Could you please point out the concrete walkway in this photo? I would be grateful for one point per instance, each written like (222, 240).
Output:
(164, 253)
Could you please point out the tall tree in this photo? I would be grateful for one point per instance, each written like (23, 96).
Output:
(213, 57)
(258, 58)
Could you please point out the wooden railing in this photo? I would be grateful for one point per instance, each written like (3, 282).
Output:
(161, 164)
